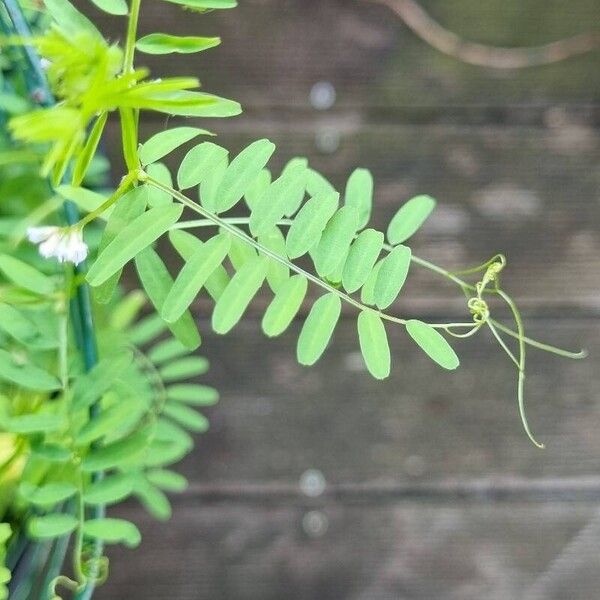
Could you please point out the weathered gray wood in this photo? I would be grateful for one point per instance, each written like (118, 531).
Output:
(459, 552)
(273, 52)
(428, 472)
(420, 424)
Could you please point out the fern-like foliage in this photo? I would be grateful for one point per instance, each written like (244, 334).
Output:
(146, 410)
(82, 434)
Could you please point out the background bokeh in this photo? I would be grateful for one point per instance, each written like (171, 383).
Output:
(322, 484)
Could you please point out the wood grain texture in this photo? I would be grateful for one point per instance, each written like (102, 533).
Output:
(413, 551)
(432, 490)
(274, 51)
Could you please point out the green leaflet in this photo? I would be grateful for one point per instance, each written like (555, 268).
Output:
(194, 275)
(131, 240)
(186, 245)
(158, 197)
(374, 344)
(146, 330)
(128, 309)
(284, 306)
(167, 451)
(109, 490)
(206, 4)
(198, 164)
(130, 206)
(152, 499)
(166, 351)
(367, 293)
(25, 374)
(391, 277)
(275, 202)
(362, 257)
(21, 328)
(25, 276)
(240, 252)
(112, 7)
(164, 142)
(192, 393)
(296, 195)
(209, 186)
(186, 417)
(309, 223)
(335, 241)
(89, 150)
(184, 368)
(317, 185)
(335, 276)
(50, 453)
(157, 282)
(277, 273)
(51, 526)
(105, 423)
(90, 386)
(433, 343)
(34, 423)
(238, 294)
(167, 480)
(69, 20)
(318, 329)
(257, 188)
(47, 494)
(113, 531)
(409, 218)
(242, 172)
(117, 453)
(359, 194)
(191, 104)
(163, 43)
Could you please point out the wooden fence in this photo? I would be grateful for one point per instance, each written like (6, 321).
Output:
(322, 484)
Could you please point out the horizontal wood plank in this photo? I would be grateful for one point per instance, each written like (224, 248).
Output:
(277, 420)
(274, 52)
(413, 551)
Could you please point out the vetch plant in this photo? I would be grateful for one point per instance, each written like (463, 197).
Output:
(94, 403)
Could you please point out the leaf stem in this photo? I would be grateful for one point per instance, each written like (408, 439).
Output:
(228, 226)
(521, 366)
(452, 276)
(132, 25)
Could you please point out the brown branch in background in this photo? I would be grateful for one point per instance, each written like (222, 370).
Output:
(488, 56)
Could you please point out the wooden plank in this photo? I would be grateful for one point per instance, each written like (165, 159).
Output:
(274, 52)
(276, 420)
(529, 192)
(462, 552)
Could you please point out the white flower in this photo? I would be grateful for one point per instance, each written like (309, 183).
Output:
(65, 244)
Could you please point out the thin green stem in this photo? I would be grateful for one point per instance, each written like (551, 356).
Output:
(521, 366)
(124, 186)
(465, 287)
(287, 222)
(502, 343)
(227, 225)
(540, 345)
(132, 25)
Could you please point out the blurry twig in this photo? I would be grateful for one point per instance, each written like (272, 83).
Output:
(473, 53)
